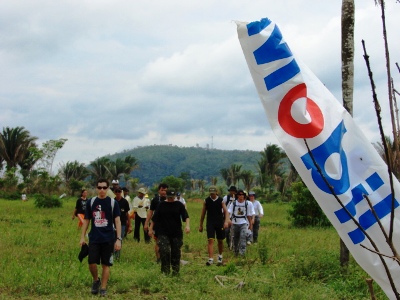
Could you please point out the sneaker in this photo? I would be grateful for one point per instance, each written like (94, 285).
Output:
(248, 243)
(219, 261)
(96, 286)
(209, 262)
(103, 292)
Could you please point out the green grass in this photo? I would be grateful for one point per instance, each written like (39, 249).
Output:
(39, 248)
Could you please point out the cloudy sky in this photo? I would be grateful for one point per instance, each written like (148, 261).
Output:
(110, 75)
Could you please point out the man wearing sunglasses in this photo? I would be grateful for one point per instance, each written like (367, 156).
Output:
(103, 212)
(241, 212)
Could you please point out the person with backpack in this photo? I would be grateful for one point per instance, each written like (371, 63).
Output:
(217, 221)
(103, 212)
(228, 199)
(241, 214)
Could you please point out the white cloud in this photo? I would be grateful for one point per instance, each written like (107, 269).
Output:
(112, 75)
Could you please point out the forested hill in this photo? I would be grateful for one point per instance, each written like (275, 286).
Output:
(158, 161)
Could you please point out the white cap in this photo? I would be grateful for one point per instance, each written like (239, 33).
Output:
(115, 181)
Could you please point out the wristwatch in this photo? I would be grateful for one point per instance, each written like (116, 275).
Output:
(119, 238)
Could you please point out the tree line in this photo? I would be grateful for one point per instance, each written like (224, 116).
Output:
(27, 167)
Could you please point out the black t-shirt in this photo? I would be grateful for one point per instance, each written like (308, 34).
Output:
(102, 219)
(124, 208)
(168, 218)
(80, 206)
(155, 202)
(214, 210)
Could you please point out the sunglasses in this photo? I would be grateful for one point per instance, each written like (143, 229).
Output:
(102, 187)
(240, 194)
(118, 191)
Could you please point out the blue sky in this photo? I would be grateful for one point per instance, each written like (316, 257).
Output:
(113, 75)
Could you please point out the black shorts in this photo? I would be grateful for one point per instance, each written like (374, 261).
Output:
(215, 230)
(101, 253)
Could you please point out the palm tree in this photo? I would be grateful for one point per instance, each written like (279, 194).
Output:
(291, 177)
(194, 183)
(123, 167)
(14, 143)
(29, 160)
(247, 178)
(225, 175)
(100, 168)
(201, 183)
(73, 170)
(270, 167)
(234, 173)
(213, 180)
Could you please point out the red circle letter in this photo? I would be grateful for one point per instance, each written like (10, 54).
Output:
(290, 125)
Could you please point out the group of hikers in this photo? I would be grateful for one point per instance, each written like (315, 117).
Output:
(234, 218)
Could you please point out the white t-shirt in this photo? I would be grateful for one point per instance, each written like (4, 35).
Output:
(231, 199)
(145, 205)
(258, 209)
(242, 211)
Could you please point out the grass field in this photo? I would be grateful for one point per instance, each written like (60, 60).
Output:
(39, 248)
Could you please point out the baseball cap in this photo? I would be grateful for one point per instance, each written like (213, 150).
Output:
(213, 189)
(170, 193)
(233, 188)
(115, 181)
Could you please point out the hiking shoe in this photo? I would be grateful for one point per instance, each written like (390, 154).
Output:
(219, 261)
(96, 286)
(209, 262)
(248, 243)
(103, 292)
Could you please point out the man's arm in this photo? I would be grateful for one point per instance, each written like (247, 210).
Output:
(227, 216)
(187, 227)
(146, 223)
(117, 222)
(203, 214)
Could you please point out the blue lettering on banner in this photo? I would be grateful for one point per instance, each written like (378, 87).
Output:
(272, 50)
(332, 145)
(321, 153)
(367, 219)
(374, 182)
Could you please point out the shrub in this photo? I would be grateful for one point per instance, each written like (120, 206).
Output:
(10, 195)
(305, 211)
(47, 201)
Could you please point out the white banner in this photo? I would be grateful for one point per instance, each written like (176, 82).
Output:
(299, 108)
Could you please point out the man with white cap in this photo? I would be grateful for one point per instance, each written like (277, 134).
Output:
(115, 185)
(140, 206)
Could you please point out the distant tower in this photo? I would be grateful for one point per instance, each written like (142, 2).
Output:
(212, 142)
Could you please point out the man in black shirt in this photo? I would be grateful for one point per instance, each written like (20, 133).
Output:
(162, 192)
(167, 221)
(126, 225)
(217, 222)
